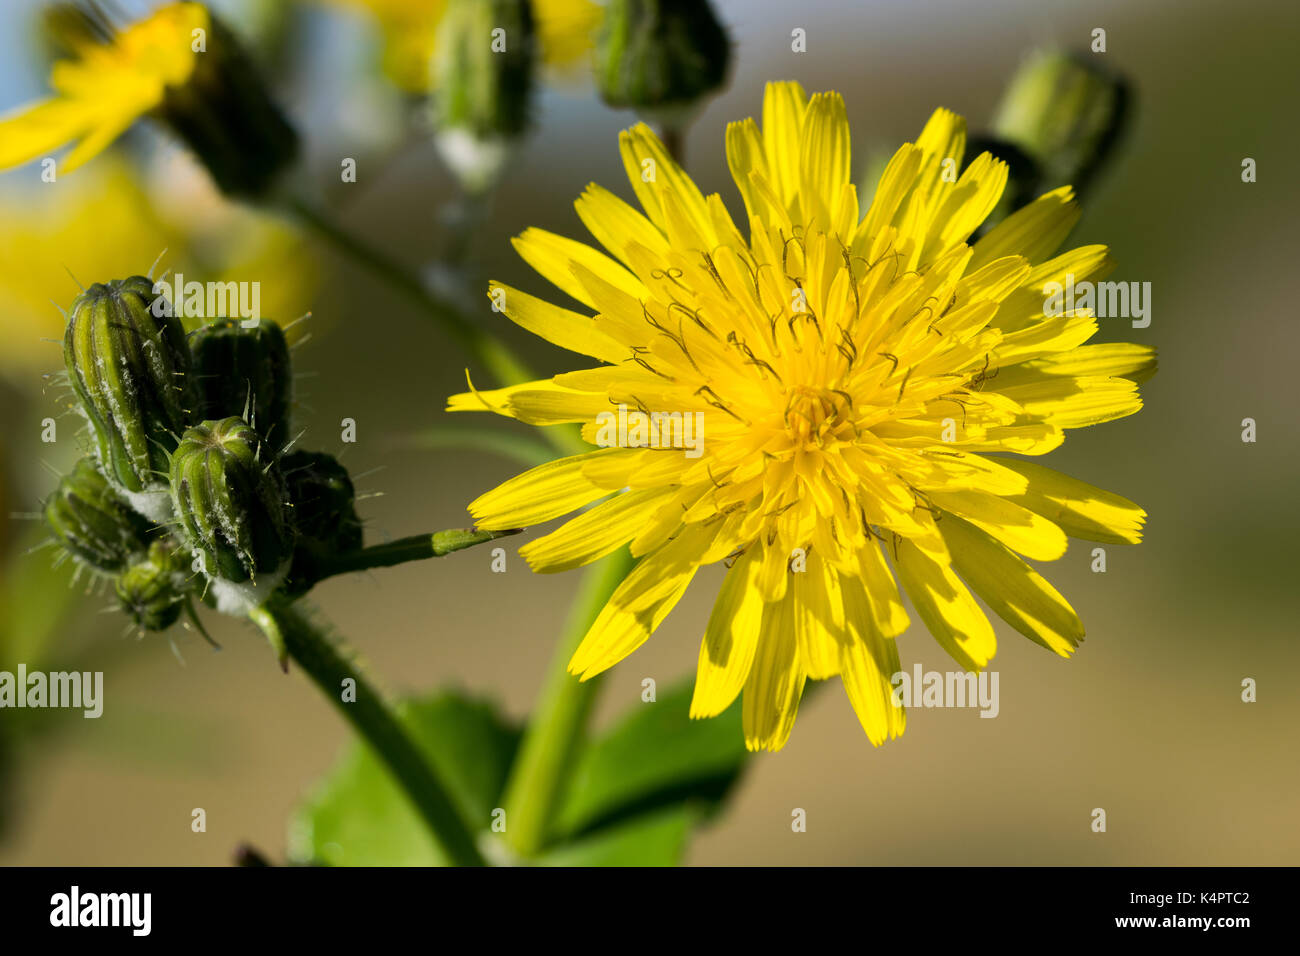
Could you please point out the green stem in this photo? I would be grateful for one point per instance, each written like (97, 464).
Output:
(287, 627)
(417, 547)
(535, 787)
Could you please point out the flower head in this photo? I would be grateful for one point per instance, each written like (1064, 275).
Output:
(857, 381)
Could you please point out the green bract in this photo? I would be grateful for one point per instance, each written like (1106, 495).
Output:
(230, 501)
(152, 591)
(92, 522)
(237, 368)
(128, 367)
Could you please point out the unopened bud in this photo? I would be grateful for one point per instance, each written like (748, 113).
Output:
(225, 114)
(153, 590)
(230, 502)
(242, 372)
(324, 513)
(661, 57)
(1066, 114)
(127, 362)
(483, 73)
(92, 522)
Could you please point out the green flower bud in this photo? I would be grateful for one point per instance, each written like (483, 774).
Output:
(324, 513)
(92, 521)
(127, 361)
(225, 114)
(230, 503)
(482, 74)
(242, 372)
(1065, 113)
(660, 57)
(153, 590)
(323, 499)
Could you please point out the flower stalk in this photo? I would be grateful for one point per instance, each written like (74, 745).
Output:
(557, 725)
(417, 547)
(287, 627)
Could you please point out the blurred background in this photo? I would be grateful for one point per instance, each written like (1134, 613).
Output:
(1146, 721)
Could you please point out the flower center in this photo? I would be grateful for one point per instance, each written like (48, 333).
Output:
(815, 415)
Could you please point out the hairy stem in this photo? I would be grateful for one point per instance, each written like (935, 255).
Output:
(559, 719)
(287, 627)
(417, 547)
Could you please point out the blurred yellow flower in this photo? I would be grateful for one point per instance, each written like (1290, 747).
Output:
(814, 404)
(105, 89)
(96, 226)
(103, 225)
(409, 28)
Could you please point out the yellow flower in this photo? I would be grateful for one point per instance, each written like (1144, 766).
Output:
(105, 89)
(854, 378)
(410, 27)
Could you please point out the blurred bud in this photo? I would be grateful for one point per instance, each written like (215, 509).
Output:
(230, 502)
(324, 513)
(92, 522)
(127, 361)
(1059, 120)
(661, 57)
(153, 590)
(482, 72)
(225, 114)
(242, 372)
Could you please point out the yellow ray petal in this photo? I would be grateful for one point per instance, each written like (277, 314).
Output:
(727, 650)
(784, 105)
(1035, 231)
(615, 224)
(540, 494)
(637, 607)
(1014, 590)
(947, 608)
(537, 403)
(868, 662)
(39, 130)
(1082, 510)
(1122, 359)
(775, 682)
(1014, 525)
(554, 257)
(594, 533)
(563, 327)
(650, 169)
(818, 614)
(1075, 402)
(824, 161)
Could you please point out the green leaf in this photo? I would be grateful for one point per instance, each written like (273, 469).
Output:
(652, 839)
(655, 758)
(357, 815)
